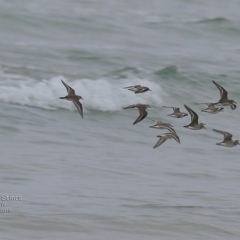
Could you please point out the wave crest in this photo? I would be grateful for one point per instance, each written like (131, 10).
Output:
(100, 94)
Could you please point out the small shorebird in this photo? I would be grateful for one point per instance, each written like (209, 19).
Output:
(160, 122)
(176, 112)
(162, 125)
(194, 125)
(227, 141)
(142, 110)
(163, 137)
(73, 97)
(224, 101)
(211, 108)
(138, 89)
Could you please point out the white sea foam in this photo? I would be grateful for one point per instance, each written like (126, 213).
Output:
(100, 94)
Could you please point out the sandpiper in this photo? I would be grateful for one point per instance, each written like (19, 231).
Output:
(176, 112)
(138, 89)
(160, 122)
(224, 101)
(227, 141)
(194, 125)
(211, 108)
(73, 97)
(142, 110)
(163, 137)
(162, 125)
(159, 126)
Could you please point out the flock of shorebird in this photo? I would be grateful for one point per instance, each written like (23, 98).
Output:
(212, 108)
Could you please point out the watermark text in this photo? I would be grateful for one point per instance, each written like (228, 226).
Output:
(5, 199)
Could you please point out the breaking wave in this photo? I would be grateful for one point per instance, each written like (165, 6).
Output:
(101, 94)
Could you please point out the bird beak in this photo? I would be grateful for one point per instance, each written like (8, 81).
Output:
(234, 102)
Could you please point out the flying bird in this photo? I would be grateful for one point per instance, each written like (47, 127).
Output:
(163, 138)
(161, 125)
(176, 112)
(71, 96)
(194, 125)
(224, 101)
(138, 89)
(211, 108)
(142, 110)
(227, 141)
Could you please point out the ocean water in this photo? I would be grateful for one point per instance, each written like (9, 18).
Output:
(64, 177)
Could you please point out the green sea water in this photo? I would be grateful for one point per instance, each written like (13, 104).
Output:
(99, 177)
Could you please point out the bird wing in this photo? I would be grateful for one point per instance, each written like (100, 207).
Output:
(69, 89)
(176, 137)
(141, 89)
(194, 116)
(176, 110)
(210, 105)
(160, 142)
(171, 129)
(78, 106)
(227, 135)
(134, 86)
(233, 106)
(223, 92)
(143, 114)
(131, 106)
